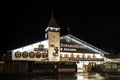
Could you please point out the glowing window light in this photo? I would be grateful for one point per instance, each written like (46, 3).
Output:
(98, 56)
(86, 62)
(65, 54)
(80, 64)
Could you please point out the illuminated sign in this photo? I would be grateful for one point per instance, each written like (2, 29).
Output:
(68, 49)
(72, 45)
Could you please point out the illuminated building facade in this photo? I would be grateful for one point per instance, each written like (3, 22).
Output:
(58, 48)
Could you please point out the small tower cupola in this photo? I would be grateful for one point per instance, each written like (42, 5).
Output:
(53, 37)
(52, 26)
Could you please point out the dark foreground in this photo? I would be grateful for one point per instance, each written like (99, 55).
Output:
(67, 76)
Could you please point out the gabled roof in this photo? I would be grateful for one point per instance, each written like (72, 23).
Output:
(87, 48)
(52, 22)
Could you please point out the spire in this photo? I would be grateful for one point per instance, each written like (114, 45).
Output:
(52, 22)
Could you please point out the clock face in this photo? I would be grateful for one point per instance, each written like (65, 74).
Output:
(53, 38)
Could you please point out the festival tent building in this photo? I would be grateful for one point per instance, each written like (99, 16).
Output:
(56, 48)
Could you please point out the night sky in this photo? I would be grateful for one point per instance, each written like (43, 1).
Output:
(24, 23)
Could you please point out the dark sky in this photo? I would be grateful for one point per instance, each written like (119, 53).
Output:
(25, 23)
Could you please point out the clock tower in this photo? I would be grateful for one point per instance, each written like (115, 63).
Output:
(53, 36)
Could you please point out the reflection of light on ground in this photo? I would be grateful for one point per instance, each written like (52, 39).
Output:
(98, 76)
(89, 76)
(79, 70)
(80, 77)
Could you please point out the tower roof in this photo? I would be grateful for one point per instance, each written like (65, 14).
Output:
(52, 22)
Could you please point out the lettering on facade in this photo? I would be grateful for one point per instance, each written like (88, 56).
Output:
(69, 49)
(72, 45)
